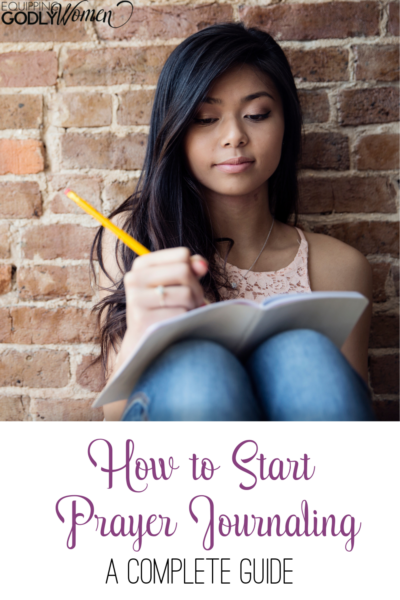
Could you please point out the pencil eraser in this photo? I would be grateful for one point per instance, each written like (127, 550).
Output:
(66, 191)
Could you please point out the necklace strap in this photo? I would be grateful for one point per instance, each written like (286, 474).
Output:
(261, 251)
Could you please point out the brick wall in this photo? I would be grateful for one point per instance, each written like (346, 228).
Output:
(75, 102)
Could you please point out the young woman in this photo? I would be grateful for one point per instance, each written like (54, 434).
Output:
(218, 187)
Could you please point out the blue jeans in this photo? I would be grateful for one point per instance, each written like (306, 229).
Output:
(297, 375)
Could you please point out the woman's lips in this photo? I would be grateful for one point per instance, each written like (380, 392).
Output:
(226, 168)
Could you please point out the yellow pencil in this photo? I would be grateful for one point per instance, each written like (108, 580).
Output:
(120, 233)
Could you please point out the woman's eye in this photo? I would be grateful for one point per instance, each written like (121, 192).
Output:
(203, 121)
(259, 117)
(211, 120)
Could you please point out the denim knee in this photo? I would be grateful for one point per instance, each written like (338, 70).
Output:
(193, 380)
(301, 375)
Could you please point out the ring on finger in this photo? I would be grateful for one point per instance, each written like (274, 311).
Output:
(161, 292)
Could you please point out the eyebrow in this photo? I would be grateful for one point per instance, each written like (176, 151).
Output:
(209, 100)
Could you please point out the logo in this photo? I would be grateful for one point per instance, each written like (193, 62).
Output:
(14, 13)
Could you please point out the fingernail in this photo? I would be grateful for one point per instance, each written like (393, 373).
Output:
(202, 262)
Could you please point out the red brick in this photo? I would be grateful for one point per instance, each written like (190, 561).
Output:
(5, 322)
(21, 111)
(37, 368)
(44, 282)
(315, 106)
(393, 21)
(362, 107)
(58, 241)
(88, 187)
(386, 410)
(4, 241)
(38, 325)
(28, 69)
(135, 107)
(20, 200)
(21, 157)
(39, 32)
(5, 278)
(103, 151)
(395, 278)
(14, 408)
(376, 63)
(316, 195)
(326, 151)
(369, 237)
(81, 110)
(384, 372)
(378, 152)
(346, 195)
(384, 331)
(91, 378)
(117, 192)
(380, 272)
(319, 64)
(114, 66)
(314, 21)
(65, 409)
(162, 21)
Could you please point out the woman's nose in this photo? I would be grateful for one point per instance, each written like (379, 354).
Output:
(233, 133)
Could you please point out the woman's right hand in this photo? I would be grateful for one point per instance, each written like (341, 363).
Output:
(174, 269)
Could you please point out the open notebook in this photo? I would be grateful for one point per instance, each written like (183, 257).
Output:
(240, 326)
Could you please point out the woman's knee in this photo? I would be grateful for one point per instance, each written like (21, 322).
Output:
(301, 374)
(297, 338)
(295, 351)
(195, 380)
(201, 360)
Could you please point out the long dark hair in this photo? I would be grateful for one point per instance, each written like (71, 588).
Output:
(167, 209)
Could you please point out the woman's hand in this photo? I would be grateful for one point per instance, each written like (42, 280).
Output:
(174, 269)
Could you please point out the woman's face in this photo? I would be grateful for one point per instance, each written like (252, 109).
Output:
(242, 117)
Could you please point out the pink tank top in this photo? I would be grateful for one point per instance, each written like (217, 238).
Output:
(257, 286)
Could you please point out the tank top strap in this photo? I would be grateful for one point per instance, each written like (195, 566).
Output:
(302, 236)
(303, 256)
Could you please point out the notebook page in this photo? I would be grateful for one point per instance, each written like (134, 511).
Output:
(333, 314)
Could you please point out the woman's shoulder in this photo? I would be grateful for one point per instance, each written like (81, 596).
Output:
(335, 265)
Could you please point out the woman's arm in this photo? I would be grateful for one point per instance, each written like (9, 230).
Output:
(358, 277)
(334, 265)
(173, 268)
